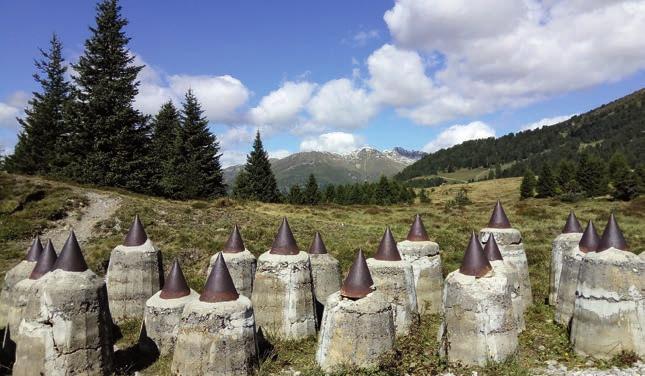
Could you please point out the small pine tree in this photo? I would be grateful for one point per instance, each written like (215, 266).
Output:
(383, 193)
(566, 177)
(39, 141)
(165, 132)
(262, 186)
(295, 195)
(329, 195)
(546, 184)
(626, 188)
(312, 194)
(618, 168)
(527, 188)
(592, 175)
(498, 171)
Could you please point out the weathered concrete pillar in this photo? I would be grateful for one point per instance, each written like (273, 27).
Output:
(17, 274)
(217, 331)
(394, 279)
(283, 297)
(609, 310)
(424, 256)
(569, 275)
(25, 301)
(72, 333)
(563, 245)
(478, 324)
(357, 326)
(325, 270)
(510, 243)
(163, 310)
(241, 263)
(134, 274)
(500, 266)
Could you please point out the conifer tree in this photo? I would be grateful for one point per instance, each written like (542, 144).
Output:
(527, 188)
(196, 162)
(423, 197)
(37, 150)
(546, 185)
(618, 167)
(260, 184)
(295, 195)
(312, 194)
(165, 132)
(329, 193)
(566, 177)
(626, 188)
(592, 175)
(498, 171)
(109, 138)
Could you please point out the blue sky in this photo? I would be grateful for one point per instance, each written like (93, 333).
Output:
(337, 75)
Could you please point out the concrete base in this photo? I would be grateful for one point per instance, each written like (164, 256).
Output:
(428, 276)
(395, 281)
(283, 297)
(13, 276)
(216, 339)
(162, 317)
(478, 325)
(609, 310)
(568, 284)
(325, 272)
(73, 329)
(133, 275)
(563, 245)
(355, 332)
(514, 288)
(25, 296)
(241, 266)
(510, 245)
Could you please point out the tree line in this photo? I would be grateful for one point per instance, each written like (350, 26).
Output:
(591, 176)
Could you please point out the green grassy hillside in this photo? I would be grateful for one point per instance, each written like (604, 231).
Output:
(194, 230)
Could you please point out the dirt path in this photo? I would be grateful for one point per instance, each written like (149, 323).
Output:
(100, 207)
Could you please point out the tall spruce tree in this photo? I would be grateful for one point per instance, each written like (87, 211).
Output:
(37, 150)
(165, 132)
(618, 167)
(110, 138)
(196, 169)
(259, 182)
(546, 185)
(527, 187)
(312, 194)
(592, 175)
(566, 177)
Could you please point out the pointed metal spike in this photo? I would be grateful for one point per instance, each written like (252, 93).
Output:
(499, 219)
(590, 239)
(284, 242)
(35, 250)
(572, 225)
(417, 231)
(317, 246)
(45, 262)
(234, 244)
(358, 282)
(475, 262)
(136, 235)
(612, 237)
(387, 250)
(71, 258)
(491, 250)
(175, 285)
(219, 285)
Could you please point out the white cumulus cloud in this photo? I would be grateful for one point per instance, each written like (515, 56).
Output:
(340, 104)
(334, 142)
(457, 134)
(282, 106)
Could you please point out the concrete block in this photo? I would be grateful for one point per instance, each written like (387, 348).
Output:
(13, 276)
(162, 318)
(241, 266)
(428, 276)
(355, 332)
(563, 244)
(325, 272)
(216, 339)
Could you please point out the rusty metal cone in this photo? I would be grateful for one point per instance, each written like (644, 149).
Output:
(45, 262)
(491, 250)
(35, 250)
(317, 246)
(71, 258)
(417, 231)
(358, 282)
(499, 219)
(219, 285)
(234, 244)
(612, 236)
(284, 242)
(475, 262)
(572, 225)
(136, 235)
(387, 250)
(590, 239)
(175, 285)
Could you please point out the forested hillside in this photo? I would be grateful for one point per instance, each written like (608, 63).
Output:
(617, 126)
